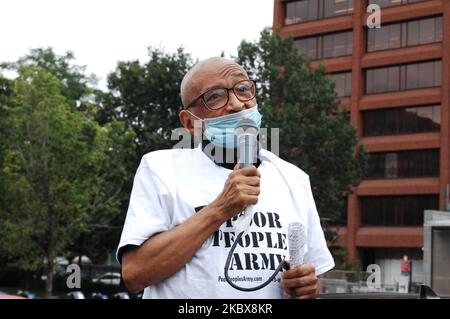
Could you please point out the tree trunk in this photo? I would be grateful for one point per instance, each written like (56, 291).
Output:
(49, 281)
(28, 280)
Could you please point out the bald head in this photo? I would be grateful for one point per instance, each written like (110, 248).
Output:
(212, 72)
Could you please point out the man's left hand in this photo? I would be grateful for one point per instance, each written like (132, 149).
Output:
(300, 282)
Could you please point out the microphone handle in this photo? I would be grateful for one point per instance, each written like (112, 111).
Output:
(247, 150)
(296, 240)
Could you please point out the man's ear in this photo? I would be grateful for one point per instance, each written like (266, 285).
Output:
(187, 120)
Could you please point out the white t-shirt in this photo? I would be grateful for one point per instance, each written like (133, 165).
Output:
(171, 185)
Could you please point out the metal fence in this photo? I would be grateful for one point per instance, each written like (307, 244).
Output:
(343, 281)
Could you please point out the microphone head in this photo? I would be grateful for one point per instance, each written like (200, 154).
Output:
(246, 123)
(247, 126)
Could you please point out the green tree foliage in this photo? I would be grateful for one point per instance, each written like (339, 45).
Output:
(74, 83)
(314, 134)
(147, 97)
(343, 261)
(5, 94)
(113, 169)
(64, 176)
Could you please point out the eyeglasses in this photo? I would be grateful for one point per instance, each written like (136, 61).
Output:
(217, 98)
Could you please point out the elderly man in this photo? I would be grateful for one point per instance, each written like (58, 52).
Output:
(185, 205)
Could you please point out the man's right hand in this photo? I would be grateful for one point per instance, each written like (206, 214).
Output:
(241, 189)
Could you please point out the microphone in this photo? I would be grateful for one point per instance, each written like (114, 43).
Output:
(246, 131)
(296, 241)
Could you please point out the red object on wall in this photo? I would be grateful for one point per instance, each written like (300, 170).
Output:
(405, 265)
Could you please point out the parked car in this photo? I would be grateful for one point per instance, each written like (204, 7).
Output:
(108, 278)
(76, 295)
(4, 295)
(121, 295)
(26, 294)
(98, 295)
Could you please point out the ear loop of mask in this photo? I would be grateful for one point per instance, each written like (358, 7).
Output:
(198, 127)
(199, 119)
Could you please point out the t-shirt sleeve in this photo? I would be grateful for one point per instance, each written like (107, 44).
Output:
(317, 253)
(147, 212)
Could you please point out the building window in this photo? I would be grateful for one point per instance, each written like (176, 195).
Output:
(405, 164)
(398, 121)
(406, 34)
(334, 8)
(309, 10)
(396, 210)
(343, 83)
(404, 77)
(301, 11)
(392, 3)
(326, 46)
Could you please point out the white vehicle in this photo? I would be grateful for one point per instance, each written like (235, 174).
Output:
(108, 278)
(76, 295)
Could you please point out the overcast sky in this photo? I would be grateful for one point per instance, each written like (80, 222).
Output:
(102, 32)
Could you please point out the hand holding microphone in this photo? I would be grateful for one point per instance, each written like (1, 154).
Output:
(241, 188)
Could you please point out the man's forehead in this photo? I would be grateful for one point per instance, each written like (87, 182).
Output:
(212, 73)
(223, 77)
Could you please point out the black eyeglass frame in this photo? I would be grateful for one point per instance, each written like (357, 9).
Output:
(201, 96)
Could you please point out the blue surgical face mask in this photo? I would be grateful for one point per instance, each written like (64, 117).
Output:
(221, 130)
